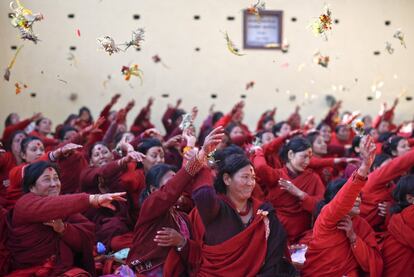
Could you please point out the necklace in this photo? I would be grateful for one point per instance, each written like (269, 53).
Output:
(246, 212)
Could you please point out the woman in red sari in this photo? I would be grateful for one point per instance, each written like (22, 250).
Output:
(293, 190)
(253, 240)
(159, 219)
(105, 174)
(398, 247)
(47, 235)
(343, 244)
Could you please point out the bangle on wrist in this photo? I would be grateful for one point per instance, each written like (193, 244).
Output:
(181, 247)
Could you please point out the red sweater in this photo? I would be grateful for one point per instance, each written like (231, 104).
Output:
(330, 252)
(31, 242)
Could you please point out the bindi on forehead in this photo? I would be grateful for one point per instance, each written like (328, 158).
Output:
(38, 144)
(49, 169)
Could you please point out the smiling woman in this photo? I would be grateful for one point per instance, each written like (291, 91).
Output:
(252, 233)
(294, 190)
(46, 232)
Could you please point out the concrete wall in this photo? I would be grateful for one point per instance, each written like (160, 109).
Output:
(173, 34)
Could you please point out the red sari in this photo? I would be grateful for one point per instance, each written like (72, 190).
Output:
(330, 252)
(294, 214)
(398, 247)
(33, 244)
(241, 255)
(380, 186)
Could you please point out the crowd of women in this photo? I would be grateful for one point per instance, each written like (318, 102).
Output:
(93, 197)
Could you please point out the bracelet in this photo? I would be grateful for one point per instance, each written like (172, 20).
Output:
(181, 247)
(193, 166)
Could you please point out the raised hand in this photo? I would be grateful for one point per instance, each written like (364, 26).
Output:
(150, 102)
(179, 101)
(211, 142)
(36, 117)
(367, 153)
(104, 200)
(174, 141)
(115, 99)
(130, 105)
(66, 150)
(194, 113)
(188, 135)
(133, 156)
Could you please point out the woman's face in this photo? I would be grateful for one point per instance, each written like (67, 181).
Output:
(16, 143)
(383, 127)
(300, 160)
(267, 137)
(374, 134)
(101, 155)
(269, 125)
(167, 176)
(237, 131)
(34, 150)
(69, 135)
(326, 133)
(285, 130)
(14, 118)
(85, 115)
(319, 146)
(343, 133)
(240, 186)
(48, 184)
(154, 155)
(402, 148)
(44, 126)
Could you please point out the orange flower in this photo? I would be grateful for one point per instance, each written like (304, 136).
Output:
(359, 125)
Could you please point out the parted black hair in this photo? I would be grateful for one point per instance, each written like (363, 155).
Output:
(331, 190)
(33, 171)
(146, 144)
(231, 165)
(154, 176)
(391, 144)
(297, 144)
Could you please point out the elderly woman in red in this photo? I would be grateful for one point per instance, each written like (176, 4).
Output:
(343, 244)
(398, 247)
(32, 150)
(253, 240)
(293, 190)
(47, 234)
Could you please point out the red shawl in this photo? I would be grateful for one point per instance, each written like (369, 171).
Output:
(242, 255)
(377, 189)
(398, 248)
(32, 243)
(330, 252)
(295, 215)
